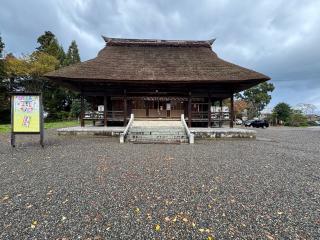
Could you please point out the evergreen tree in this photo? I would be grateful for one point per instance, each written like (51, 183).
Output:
(72, 55)
(50, 45)
(55, 98)
(1, 46)
(4, 88)
(282, 111)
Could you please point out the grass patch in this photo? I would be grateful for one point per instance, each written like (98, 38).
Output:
(5, 128)
(61, 124)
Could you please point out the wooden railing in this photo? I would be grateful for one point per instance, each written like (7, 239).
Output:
(100, 115)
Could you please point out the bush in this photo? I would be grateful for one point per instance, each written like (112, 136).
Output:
(297, 119)
(312, 123)
(76, 107)
(58, 116)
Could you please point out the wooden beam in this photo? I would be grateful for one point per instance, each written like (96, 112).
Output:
(221, 114)
(82, 110)
(231, 111)
(189, 110)
(105, 110)
(209, 110)
(125, 107)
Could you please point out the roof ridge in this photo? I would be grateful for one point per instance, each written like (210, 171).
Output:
(157, 42)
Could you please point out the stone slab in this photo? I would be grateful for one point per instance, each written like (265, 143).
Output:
(209, 133)
(91, 131)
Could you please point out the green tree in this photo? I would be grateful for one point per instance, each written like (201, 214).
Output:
(50, 45)
(72, 55)
(56, 99)
(282, 112)
(4, 88)
(257, 97)
(76, 107)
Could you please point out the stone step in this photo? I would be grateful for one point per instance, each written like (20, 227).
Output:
(156, 140)
(156, 129)
(157, 134)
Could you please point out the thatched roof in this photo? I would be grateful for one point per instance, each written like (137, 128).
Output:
(125, 60)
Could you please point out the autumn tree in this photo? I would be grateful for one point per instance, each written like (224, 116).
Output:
(239, 107)
(27, 71)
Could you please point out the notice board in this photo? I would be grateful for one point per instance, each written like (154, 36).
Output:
(26, 115)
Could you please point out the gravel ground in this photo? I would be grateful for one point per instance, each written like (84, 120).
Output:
(95, 188)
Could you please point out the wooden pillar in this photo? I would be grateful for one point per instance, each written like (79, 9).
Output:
(189, 110)
(231, 111)
(105, 110)
(82, 110)
(220, 114)
(125, 107)
(209, 110)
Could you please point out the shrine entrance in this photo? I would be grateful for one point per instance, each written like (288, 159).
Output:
(158, 107)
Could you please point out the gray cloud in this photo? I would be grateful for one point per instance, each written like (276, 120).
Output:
(278, 38)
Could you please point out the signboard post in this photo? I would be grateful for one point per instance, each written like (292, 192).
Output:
(26, 115)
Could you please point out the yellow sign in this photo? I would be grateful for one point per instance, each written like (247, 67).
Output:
(26, 113)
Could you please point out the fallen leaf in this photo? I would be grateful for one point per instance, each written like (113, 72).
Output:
(167, 219)
(269, 237)
(29, 206)
(174, 219)
(210, 238)
(137, 210)
(201, 230)
(157, 227)
(5, 198)
(185, 220)
(280, 213)
(193, 224)
(34, 224)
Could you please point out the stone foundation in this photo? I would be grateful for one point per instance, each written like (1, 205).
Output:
(91, 131)
(209, 133)
(199, 133)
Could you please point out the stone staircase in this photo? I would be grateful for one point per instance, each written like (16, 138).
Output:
(157, 132)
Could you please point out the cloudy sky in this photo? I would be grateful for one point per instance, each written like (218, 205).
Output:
(278, 38)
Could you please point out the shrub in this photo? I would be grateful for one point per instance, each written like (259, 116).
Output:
(76, 107)
(297, 119)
